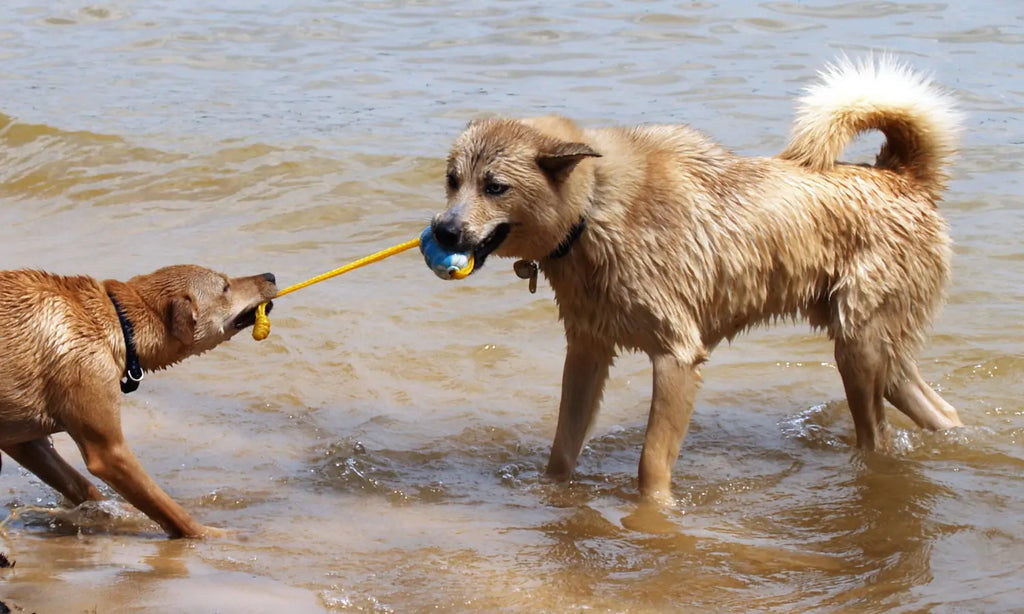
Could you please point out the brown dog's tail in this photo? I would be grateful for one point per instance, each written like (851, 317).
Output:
(919, 120)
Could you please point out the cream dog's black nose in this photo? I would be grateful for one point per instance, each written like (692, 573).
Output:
(447, 233)
(270, 277)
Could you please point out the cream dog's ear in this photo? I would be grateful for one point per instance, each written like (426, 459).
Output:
(477, 121)
(558, 160)
(182, 315)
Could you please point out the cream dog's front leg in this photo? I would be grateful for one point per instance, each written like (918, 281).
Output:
(586, 370)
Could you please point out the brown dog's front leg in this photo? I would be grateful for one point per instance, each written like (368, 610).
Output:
(583, 379)
(94, 422)
(114, 463)
(39, 457)
(675, 388)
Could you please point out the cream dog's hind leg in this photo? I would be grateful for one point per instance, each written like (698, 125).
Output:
(864, 366)
(915, 398)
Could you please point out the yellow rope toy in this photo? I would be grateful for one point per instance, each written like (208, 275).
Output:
(446, 265)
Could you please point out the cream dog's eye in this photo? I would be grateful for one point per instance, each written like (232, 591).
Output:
(495, 189)
(227, 286)
(453, 182)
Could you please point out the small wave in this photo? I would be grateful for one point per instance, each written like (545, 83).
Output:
(816, 426)
(464, 467)
(825, 426)
(89, 517)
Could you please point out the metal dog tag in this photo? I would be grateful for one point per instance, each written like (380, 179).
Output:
(527, 269)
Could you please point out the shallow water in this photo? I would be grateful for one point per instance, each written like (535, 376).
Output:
(382, 450)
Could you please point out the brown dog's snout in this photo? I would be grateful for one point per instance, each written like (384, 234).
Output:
(270, 277)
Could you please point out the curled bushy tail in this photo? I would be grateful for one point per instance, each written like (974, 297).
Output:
(919, 120)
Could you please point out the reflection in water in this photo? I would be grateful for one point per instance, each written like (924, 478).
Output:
(167, 559)
(883, 531)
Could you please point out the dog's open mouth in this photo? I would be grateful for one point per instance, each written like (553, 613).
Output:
(490, 243)
(248, 317)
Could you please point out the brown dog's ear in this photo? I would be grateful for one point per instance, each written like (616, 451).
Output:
(557, 162)
(181, 318)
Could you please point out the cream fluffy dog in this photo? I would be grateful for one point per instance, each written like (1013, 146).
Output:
(656, 239)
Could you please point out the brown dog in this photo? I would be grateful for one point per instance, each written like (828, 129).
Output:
(656, 239)
(65, 342)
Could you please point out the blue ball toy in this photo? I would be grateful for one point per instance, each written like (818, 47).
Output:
(444, 264)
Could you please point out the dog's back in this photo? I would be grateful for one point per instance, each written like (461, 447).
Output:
(732, 241)
(49, 325)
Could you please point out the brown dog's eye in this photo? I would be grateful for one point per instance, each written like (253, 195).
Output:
(494, 188)
(453, 182)
(227, 286)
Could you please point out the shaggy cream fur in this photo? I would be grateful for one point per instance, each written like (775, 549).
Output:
(687, 244)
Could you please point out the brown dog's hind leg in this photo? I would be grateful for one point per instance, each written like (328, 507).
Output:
(864, 367)
(915, 398)
(586, 371)
(39, 457)
(675, 388)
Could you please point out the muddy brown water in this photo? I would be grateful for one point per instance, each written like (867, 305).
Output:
(382, 450)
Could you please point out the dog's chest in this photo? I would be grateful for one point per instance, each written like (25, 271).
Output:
(600, 305)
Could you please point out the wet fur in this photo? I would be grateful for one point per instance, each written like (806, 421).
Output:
(62, 354)
(688, 244)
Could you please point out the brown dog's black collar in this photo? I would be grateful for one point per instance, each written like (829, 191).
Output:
(132, 369)
(569, 240)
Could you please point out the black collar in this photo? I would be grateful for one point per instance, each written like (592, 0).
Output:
(569, 240)
(132, 369)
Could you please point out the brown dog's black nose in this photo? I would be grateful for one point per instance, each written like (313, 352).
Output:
(447, 233)
(270, 277)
